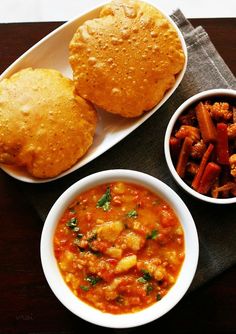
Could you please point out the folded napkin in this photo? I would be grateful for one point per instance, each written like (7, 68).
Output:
(142, 150)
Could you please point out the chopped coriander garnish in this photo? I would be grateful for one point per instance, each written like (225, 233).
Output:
(141, 280)
(146, 275)
(106, 206)
(152, 235)
(96, 253)
(132, 214)
(72, 224)
(145, 278)
(149, 288)
(72, 210)
(93, 280)
(105, 201)
(77, 242)
(158, 297)
(92, 237)
(84, 287)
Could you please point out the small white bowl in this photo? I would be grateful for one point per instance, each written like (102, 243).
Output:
(208, 94)
(83, 310)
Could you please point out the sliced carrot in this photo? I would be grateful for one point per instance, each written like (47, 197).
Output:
(175, 147)
(222, 147)
(206, 124)
(211, 173)
(204, 161)
(183, 156)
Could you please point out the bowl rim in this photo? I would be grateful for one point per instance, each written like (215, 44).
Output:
(93, 315)
(186, 104)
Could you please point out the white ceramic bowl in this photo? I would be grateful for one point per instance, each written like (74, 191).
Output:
(83, 310)
(208, 94)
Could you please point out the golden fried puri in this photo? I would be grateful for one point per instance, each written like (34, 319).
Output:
(42, 125)
(125, 60)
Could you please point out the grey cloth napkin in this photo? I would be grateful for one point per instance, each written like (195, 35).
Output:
(142, 150)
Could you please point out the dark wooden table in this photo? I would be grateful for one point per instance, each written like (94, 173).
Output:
(27, 304)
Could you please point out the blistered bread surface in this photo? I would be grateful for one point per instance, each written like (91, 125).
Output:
(125, 60)
(43, 126)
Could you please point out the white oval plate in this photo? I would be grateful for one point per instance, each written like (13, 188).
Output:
(52, 52)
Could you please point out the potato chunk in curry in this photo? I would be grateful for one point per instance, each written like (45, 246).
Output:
(109, 231)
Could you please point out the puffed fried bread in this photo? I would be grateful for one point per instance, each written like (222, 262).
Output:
(43, 126)
(125, 60)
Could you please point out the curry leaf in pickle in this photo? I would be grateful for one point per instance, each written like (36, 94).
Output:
(105, 201)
